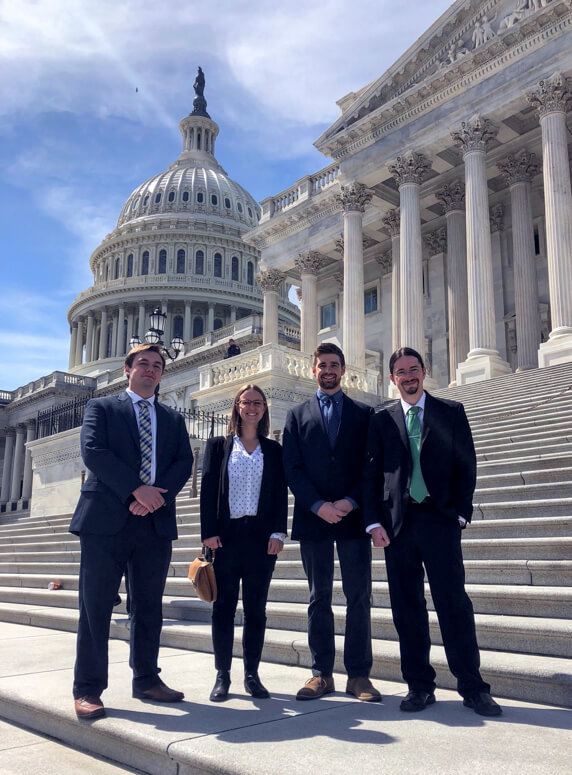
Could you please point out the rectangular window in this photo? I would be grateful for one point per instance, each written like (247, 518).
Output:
(370, 300)
(328, 315)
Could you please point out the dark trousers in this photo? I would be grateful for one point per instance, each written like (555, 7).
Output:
(354, 555)
(243, 557)
(429, 539)
(104, 559)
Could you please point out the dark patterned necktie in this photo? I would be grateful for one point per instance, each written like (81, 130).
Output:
(145, 442)
(417, 490)
(330, 418)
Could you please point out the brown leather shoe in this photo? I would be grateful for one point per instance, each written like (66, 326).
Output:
(362, 688)
(316, 687)
(89, 707)
(158, 693)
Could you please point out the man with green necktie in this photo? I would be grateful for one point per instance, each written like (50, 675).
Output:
(419, 480)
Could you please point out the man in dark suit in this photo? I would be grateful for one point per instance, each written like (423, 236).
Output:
(419, 480)
(324, 443)
(138, 457)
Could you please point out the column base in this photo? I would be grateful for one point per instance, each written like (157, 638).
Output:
(481, 365)
(558, 349)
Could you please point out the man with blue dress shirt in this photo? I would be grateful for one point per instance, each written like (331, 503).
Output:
(324, 445)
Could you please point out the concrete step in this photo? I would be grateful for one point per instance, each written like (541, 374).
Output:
(535, 678)
(523, 463)
(538, 507)
(524, 492)
(508, 450)
(520, 478)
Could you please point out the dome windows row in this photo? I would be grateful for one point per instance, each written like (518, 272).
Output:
(151, 201)
(198, 266)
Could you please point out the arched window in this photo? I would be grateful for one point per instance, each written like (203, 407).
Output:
(239, 207)
(250, 273)
(146, 201)
(200, 197)
(235, 276)
(218, 323)
(185, 196)
(145, 263)
(250, 212)
(162, 266)
(199, 263)
(116, 271)
(178, 326)
(214, 199)
(157, 198)
(198, 327)
(180, 261)
(217, 265)
(129, 272)
(171, 196)
(227, 202)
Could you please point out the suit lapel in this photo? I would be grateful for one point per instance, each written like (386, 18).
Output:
(317, 421)
(427, 417)
(128, 412)
(396, 414)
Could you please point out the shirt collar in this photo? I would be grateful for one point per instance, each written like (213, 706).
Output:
(337, 397)
(136, 398)
(421, 404)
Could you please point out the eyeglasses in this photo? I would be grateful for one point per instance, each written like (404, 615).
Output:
(412, 372)
(254, 404)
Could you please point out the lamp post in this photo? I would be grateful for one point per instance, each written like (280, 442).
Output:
(155, 335)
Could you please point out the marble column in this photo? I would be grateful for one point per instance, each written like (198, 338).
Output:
(518, 170)
(73, 345)
(120, 349)
(270, 281)
(79, 343)
(18, 465)
(353, 199)
(391, 225)
(452, 198)
(27, 485)
(409, 171)
(210, 316)
(114, 333)
(483, 360)
(130, 326)
(142, 323)
(7, 465)
(89, 338)
(551, 100)
(187, 322)
(103, 335)
(309, 264)
(233, 313)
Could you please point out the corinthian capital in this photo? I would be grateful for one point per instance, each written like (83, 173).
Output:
(552, 96)
(452, 197)
(518, 168)
(475, 134)
(270, 279)
(353, 198)
(391, 223)
(410, 168)
(497, 218)
(385, 261)
(310, 262)
(436, 241)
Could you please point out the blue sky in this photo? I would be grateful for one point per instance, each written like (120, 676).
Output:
(91, 95)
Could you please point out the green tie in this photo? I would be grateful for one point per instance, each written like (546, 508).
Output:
(418, 491)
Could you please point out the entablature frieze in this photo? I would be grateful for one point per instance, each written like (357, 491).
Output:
(489, 58)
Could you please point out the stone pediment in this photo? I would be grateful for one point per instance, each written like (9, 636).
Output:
(469, 34)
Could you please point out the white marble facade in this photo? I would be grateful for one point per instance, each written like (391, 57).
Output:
(447, 208)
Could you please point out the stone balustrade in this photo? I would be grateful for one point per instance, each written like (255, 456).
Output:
(302, 190)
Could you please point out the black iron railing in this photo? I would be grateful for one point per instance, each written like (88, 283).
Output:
(61, 418)
(204, 425)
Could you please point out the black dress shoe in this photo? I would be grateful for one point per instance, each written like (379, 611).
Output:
(416, 701)
(221, 687)
(483, 704)
(254, 686)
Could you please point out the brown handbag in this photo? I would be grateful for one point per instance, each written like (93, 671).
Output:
(201, 574)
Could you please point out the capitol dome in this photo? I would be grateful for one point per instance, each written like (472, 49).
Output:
(177, 245)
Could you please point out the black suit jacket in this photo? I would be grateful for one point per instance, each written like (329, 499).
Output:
(447, 457)
(272, 512)
(111, 453)
(316, 472)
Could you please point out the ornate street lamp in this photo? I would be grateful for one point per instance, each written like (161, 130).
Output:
(155, 335)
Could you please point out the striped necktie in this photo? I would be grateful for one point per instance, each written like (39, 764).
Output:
(417, 489)
(145, 442)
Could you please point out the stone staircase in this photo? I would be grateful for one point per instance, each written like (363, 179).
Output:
(518, 557)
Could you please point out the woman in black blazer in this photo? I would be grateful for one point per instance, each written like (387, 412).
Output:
(244, 504)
